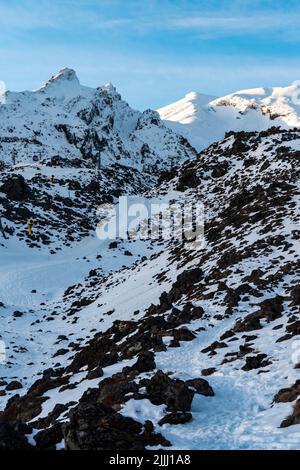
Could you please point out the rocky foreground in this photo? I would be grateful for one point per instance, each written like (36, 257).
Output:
(185, 345)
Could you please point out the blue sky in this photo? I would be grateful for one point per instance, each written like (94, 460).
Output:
(153, 51)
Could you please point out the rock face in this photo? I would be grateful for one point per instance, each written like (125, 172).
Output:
(63, 210)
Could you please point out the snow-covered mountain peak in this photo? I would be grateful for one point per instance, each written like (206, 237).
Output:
(109, 87)
(198, 98)
(185, 110)
(203, 120)
(62, 76)
(109, 90)
(70, 120)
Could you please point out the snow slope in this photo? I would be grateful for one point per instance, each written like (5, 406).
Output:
(204, 119)
(186, 305)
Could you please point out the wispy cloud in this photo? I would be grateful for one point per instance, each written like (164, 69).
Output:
(22, 17)
(230, 23)
(29, 15)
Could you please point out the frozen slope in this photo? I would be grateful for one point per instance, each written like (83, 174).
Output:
(227, 312)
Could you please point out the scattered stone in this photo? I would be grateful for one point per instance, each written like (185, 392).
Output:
(14, 385)
(17, 314)
(288, 394)
(255, 362)
(176, 418)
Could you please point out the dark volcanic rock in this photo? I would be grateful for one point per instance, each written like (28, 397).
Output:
(294, 328)
(183, 334)
(16, 188)
(295, 294)
(14, 385)
(12, 436)
(145, 362)
(94, 426)
(176, 418)
(97, 427)
(112, 390)
(255, 362)
(294, 418)
(201, 386)
(209, 371)
(175, 393)
(186, 180)
(95, 373)
(288, 394)
(270, 309)
(48, 438)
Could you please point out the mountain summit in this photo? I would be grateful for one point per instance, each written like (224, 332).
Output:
(63, 75)
(64, 118)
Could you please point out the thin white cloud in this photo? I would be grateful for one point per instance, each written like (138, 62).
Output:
(232, 24)
(31, 15)
(27, 15)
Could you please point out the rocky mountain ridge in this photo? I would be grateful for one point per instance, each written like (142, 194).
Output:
(66, 119)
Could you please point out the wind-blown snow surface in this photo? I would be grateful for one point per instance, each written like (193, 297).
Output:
(204, 119)
(120, 305)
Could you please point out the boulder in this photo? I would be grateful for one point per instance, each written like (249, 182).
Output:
(16, 188)
(12, 436)
(48, 438)
(294, 418)
(145, 362)
(176, 418)
(200, 386)
(174, 393)
(255, 362)
(14, 385)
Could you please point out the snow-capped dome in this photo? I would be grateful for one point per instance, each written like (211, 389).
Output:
(203, 120)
